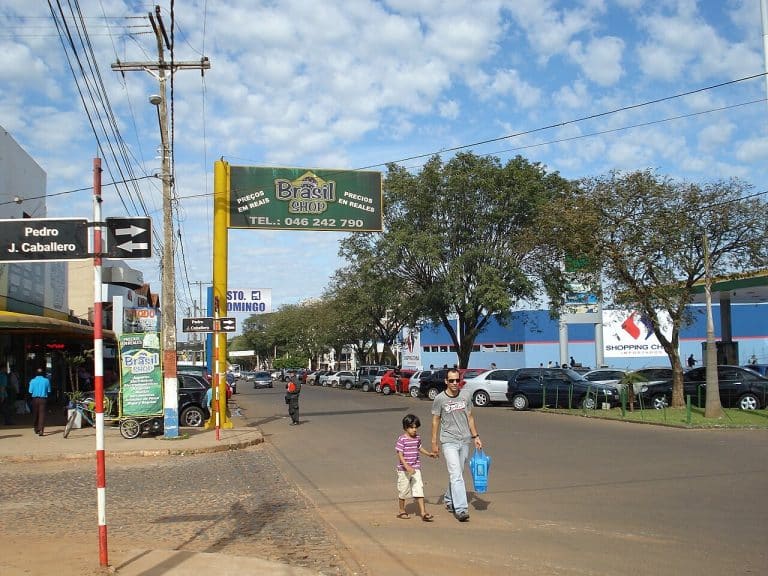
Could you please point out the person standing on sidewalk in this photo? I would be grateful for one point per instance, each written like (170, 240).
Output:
(452, 419)
(39, 389)
(292, 391)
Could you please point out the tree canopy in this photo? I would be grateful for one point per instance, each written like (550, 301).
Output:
(460, 239)
(642, 235)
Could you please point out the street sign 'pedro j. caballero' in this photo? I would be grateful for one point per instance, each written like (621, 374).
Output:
(304, 199)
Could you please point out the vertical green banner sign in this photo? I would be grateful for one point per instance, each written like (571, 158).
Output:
(304, 199)
(141, 376)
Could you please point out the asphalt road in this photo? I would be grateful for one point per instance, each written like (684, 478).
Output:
(567, 495)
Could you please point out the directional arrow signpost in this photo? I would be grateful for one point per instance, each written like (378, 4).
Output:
(208, 324)
(129, 237)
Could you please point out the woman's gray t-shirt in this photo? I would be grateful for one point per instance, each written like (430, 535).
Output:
(453, 412)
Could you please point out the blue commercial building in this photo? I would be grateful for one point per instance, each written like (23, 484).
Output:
(531, 338)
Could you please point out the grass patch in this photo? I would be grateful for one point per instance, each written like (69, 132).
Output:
(678, 417)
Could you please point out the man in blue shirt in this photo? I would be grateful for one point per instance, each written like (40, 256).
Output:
(39, 388)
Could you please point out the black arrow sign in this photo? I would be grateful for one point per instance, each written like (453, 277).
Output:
(129, 237)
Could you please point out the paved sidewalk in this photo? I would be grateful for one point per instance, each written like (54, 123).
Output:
(19, 444)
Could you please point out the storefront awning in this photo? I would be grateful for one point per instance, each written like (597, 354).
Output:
(16, 323)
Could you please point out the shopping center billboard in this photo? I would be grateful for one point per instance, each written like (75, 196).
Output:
(629, 333)
(304, 199)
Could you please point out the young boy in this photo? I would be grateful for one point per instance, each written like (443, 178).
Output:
(409, 483)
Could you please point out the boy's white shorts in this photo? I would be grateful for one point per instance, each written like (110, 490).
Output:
(409, 486)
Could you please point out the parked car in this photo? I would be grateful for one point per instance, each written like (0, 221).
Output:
(323, 379)
(367, 374)
(413, 383)
(312, 377)
(556, 388)
(431, 385)
(649, 376)
(343, 378)
(262, 380)
(489, 387)
(391, 382)
(605, 376)
(761, 369)
(739, 388)
(197, 370)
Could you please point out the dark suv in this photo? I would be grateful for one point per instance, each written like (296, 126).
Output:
(557, 388)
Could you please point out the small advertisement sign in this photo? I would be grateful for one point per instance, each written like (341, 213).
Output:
(411, 352)
(304, 199)
(141, 320)
(141, 376)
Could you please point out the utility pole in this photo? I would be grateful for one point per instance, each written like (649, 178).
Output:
(168, 295)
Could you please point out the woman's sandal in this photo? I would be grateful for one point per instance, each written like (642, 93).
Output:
(404, 516)
(427, 518)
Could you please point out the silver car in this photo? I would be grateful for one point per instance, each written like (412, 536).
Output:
(262, 380)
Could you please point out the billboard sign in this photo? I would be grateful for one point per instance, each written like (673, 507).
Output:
(250, 300)
(141, 375)
(629, 334)
(304, 199)
(411, 351)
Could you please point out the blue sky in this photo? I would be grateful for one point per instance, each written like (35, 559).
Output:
(350, 84)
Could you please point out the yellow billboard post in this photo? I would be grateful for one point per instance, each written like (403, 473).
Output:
(220, 212)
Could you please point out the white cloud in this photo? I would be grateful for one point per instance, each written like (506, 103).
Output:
(448, 109)
(506, 82)
(752, 150)
(716, 135)
(600, 60)
(574, 96)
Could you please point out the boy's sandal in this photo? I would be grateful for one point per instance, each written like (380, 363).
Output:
(403, 516)
(428, 518)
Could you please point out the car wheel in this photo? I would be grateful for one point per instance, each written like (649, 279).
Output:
(432, 393)
(749, 402)
(348, 385)
(386, 390)
(659, 402)
(366, 386)
(325, 382)
(414, 392)
(589, 402)
(520, 402)
(192, 416)
(481, 398)
(377, 388)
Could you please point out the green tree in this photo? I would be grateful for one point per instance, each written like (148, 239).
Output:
(460, 239)
(643, 234)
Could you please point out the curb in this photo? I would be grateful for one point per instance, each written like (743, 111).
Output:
(181, 451)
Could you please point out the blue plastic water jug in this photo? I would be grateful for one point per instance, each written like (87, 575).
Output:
(479, 465)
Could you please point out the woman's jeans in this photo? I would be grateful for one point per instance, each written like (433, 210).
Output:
(456, 454)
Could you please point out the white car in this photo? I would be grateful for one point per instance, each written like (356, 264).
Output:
(489, 387)
(413, 385)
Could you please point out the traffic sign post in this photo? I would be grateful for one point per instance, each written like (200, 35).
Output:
(208, 324)
(129, 237)
(40, 239)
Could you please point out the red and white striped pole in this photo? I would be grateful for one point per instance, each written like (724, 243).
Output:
(98, 365)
